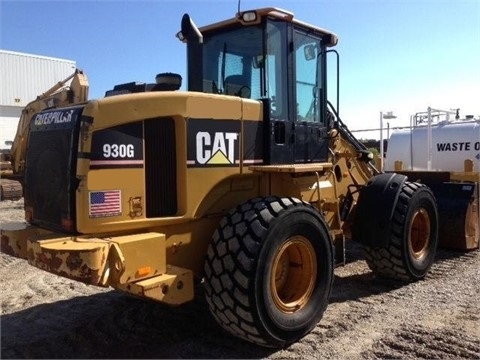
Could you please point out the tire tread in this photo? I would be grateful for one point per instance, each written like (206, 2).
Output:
(388, 261)
(229, 269)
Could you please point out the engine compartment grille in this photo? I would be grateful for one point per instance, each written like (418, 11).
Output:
(50, 167)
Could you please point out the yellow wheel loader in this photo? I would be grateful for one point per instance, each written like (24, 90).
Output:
(249, 182)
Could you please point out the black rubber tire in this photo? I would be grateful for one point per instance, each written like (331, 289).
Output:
(405, 258)
(240, 287)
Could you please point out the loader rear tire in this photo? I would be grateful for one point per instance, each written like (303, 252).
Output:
(269, 271)
(414, 237)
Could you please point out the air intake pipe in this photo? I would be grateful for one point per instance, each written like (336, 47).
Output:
(190, 34)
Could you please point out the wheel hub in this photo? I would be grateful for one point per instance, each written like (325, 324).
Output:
(419, 234)
(294, 273)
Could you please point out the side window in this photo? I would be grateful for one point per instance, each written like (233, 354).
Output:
(242, 76)
(276, 70)
(307, 77)
(234, 75)
(231, 62)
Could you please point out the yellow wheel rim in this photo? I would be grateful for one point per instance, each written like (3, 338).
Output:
(419, 234)
(294, 273)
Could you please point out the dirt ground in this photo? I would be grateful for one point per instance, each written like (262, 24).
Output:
(45, 316)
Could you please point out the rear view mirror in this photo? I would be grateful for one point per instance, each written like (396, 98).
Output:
(309, 52)
(257, 62)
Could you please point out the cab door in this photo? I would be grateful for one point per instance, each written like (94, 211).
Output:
(310, 130)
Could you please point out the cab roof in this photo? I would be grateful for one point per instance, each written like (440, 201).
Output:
(250, 17)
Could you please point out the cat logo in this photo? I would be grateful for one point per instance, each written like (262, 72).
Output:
(216, 149)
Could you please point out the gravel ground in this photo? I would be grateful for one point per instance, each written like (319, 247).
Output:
(45, 316)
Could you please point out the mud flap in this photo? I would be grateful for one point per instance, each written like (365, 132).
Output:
(374, 210)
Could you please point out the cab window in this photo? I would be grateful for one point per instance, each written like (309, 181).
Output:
(307, 82)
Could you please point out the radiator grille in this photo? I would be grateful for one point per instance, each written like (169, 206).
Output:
(48, 183)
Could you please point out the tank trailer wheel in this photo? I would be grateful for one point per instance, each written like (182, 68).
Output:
(269, 270)
(413, 243)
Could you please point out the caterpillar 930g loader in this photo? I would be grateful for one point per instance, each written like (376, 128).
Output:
(249, 181)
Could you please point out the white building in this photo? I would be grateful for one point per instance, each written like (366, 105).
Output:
(22, 78)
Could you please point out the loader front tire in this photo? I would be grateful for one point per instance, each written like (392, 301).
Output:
(411, 250)
(269, 271)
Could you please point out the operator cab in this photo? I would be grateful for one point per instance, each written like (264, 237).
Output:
(267, 55)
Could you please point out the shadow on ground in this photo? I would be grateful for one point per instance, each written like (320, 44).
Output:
(114, 325)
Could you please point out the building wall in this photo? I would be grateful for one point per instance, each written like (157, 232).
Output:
(9, 116)
(22, 78)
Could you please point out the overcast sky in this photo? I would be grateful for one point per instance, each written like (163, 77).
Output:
(399, 56)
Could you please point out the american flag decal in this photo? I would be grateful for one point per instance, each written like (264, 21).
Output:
(105, 203)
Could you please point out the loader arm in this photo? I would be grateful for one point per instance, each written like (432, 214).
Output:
(353, 163)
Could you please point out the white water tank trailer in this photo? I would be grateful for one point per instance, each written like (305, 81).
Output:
(436, 146)
(443, 151)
